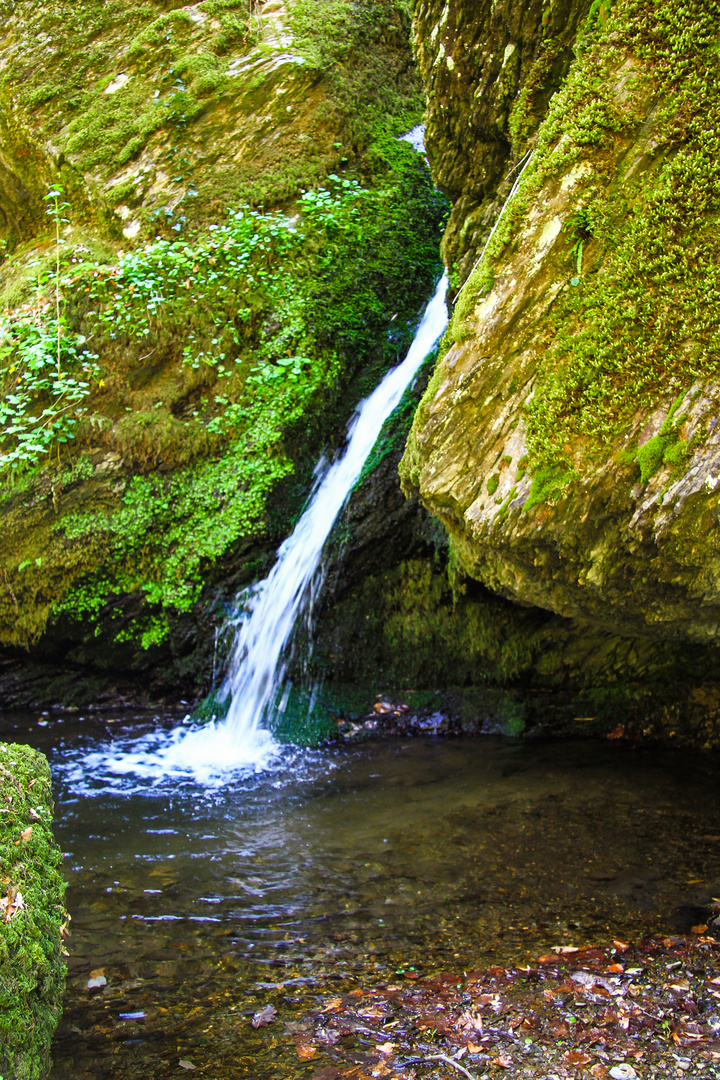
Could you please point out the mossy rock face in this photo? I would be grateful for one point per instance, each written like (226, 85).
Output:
(578, 379)
(238, 248)
(32, 916)
(398, 618)
(490, 71)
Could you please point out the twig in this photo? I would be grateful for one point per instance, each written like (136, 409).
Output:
(440, 1057)
(10, 589)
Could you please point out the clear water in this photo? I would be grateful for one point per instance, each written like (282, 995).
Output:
(340, 869)
(241, 741)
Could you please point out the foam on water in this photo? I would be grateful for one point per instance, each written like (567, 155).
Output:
(241, 742)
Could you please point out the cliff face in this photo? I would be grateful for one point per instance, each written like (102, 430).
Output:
(568, 439)
(213, 244)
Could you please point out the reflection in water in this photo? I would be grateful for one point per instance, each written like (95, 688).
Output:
(337, 869)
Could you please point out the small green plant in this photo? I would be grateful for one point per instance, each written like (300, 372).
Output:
(44, 370)
(582, 225)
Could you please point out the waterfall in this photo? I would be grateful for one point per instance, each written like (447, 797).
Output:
(257, 669)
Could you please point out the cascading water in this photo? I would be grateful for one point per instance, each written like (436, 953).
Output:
(257, 670)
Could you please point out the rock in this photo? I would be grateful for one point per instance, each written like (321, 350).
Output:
(570, 450)
(623, 1072)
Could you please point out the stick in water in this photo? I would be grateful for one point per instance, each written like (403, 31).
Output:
(441, 1057)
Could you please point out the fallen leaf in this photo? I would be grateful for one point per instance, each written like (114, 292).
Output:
(699, 929)
(27, 833)
(621, 946)
(576, 1058)
(599, 1071)
(184, 1064)
(473, 1048)
(97, 972)
(564, 950)
(333, 1005)
(504, 1061)
(386, 1048)
(264, 1016)
(305, 1052)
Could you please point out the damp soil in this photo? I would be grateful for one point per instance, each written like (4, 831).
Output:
(337, 872)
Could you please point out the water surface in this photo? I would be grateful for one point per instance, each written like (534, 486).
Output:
(349, 867)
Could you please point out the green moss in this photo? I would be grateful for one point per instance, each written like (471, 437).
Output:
(648, 285)
(677, 454)
(32, 971)
(224, 369)
(234, 418)
(546, 482)
(665, 447)
(493, 483)
(650, 456)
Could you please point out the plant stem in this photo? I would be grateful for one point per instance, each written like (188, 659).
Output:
(57, 278)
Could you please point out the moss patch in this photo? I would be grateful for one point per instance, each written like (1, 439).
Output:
(32, 916)
(639, 319)
(218, 365)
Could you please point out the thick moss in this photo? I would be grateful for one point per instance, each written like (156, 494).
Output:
(32, 916)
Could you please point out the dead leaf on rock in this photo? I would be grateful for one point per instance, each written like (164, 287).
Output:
(306, 1052)
(503, 1061)
(184, 1064)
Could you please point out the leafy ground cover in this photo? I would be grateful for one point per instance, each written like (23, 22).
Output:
(616, 1013)
(207, 358)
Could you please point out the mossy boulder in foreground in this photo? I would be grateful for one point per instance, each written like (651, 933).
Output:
(32, 916)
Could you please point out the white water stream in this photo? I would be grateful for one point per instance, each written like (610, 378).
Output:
(241, 741)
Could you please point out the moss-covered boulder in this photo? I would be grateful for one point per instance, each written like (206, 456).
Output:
(33, 919)
(567, 439)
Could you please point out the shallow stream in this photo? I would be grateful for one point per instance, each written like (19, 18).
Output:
(345, 868)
